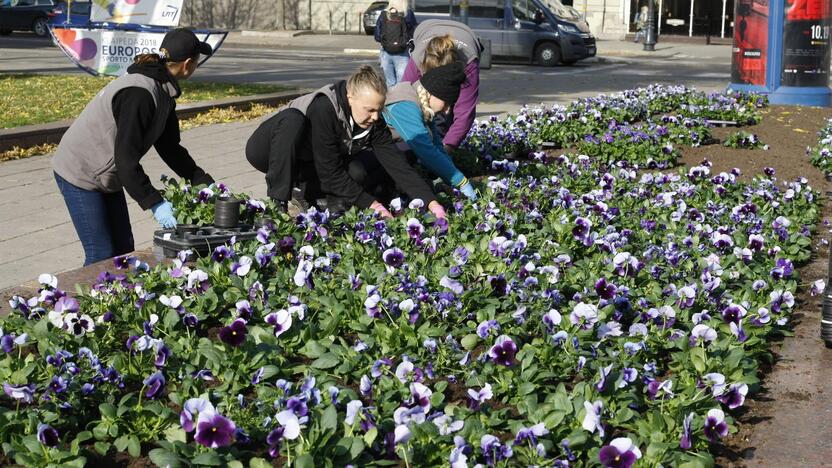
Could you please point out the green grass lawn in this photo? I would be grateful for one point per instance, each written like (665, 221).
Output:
(35, 99)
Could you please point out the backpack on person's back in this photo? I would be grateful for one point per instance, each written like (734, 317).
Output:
(393, 32)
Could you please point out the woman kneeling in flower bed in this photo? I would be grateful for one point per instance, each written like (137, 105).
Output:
(411, 110)
(333, 141)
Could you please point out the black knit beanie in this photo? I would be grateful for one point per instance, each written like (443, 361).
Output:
(444, 82)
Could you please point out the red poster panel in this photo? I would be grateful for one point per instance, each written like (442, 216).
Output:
(750, 42)
(806, 43)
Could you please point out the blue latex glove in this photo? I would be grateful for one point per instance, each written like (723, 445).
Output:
(163, 212)
(468, 190)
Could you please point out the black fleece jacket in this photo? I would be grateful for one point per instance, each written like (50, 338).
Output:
(133, 109)
(326, 136)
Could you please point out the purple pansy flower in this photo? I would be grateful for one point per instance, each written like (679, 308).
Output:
(485, 327)
(604, 289)
(222, 253)
(478, 397)
(715, 425)
(393, 257)
(48, 436)
(24, 393)
(280, 320)
(214, 430)
(234, 334)
(620, 453)
(585, 315)
(420, 395)
(493, 450)
(702, 334)
(733, 313)
(154, 383)
(530, 434)
(503, 351)
(628, 376)
(353, 409)
(658, 388)
(451, 284)
(734, 396)
(685, 443)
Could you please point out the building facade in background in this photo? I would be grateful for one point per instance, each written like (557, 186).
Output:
(607, 18)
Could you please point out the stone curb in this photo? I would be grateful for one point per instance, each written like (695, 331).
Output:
(31, 135)
(362, 52)
(275, 34)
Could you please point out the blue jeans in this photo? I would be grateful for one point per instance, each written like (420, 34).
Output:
(100, 219)
(393, 66)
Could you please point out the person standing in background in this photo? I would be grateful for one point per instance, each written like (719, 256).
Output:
(394, 29)
(641, 23)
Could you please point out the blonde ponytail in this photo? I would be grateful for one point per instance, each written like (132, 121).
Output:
(424, 103)
(441, 50)
(366, 79)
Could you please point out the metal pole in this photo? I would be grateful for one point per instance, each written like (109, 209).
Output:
(345, 21)
(722, 33)
(650, 40)
(690, 26)
(310, 14)
(659, 26)
(68, 12)
(330, 22)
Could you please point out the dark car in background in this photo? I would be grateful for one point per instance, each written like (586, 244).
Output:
(371, 15)
(27, 15)
(80, 13)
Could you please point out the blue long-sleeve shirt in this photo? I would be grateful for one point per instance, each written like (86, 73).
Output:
(409, 21)
(406, 118)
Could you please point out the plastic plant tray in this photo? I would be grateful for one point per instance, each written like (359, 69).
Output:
(201, 242)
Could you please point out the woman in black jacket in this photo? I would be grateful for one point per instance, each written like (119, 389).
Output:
(100, 153)
(334, 142)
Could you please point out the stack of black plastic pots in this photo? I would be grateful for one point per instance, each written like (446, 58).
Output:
(227, 212)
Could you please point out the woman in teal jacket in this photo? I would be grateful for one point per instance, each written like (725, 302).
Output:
(410, 110)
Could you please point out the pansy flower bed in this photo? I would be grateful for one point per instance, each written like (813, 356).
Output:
(640, 125)
(821, 154)
(744, 140)
(585, 311)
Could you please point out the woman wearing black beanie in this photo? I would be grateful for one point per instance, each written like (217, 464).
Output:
(410, 111)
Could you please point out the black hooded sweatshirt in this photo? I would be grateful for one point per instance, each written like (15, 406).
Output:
(133, 109)
(328, 152)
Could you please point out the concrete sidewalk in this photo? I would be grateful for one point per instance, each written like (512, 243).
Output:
(36, 234)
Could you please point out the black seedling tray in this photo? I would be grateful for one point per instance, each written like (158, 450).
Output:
(201, 242)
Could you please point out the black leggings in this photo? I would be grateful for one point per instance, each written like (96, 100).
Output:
(274, 149)
(278, 149)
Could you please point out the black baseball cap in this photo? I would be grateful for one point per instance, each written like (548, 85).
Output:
(183, 44)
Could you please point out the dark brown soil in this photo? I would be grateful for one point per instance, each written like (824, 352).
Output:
(787, 131)
(760, 440)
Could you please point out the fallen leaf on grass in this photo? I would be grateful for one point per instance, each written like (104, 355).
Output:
(800, 130)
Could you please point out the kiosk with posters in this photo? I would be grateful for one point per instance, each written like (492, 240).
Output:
(118, 30)
(782, 49)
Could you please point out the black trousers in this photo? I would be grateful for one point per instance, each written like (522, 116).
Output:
(279, 148)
